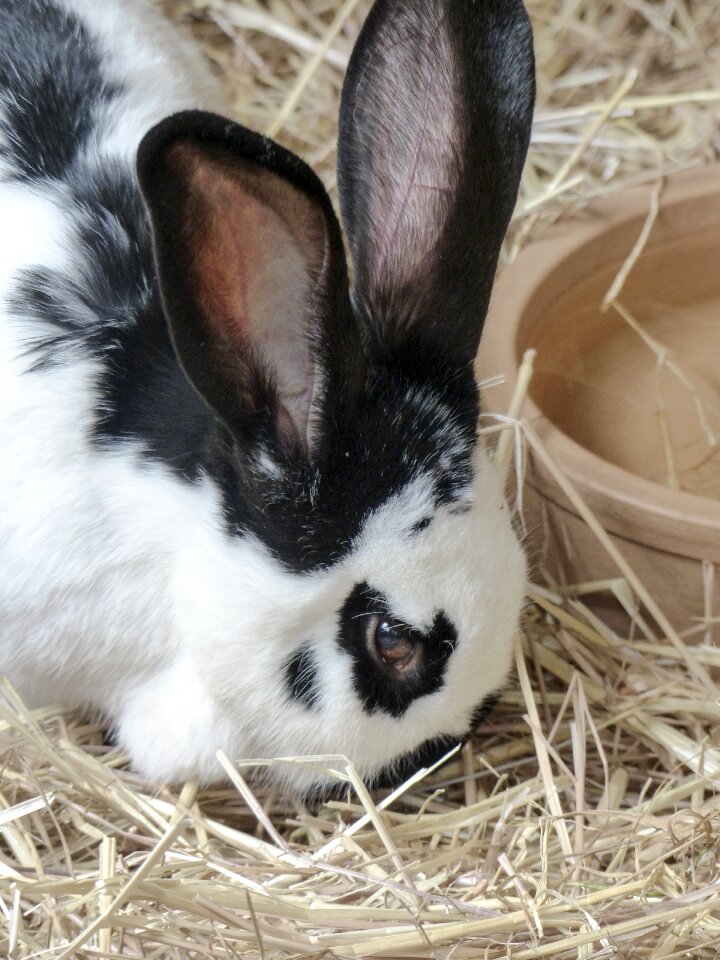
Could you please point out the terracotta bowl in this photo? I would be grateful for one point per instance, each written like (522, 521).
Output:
(600, 401)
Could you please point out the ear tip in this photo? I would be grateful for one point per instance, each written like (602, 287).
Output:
(198, 125)
(151, 147)
(208, 129)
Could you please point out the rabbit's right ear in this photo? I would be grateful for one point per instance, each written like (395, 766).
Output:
(434, 128)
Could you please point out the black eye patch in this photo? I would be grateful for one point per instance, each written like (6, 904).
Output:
(380, 689)
(301, 677)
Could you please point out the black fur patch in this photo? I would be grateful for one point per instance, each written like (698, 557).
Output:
(429, 752)
(51, 86)
(110, 310)
(301, 677)
(381, 689)
(310, 514)
(404, 767)
(482, 711)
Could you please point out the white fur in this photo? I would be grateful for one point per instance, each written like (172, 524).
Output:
(119, 587)
(161, 71)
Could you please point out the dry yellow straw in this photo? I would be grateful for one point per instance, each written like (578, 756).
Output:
(503, 451)
(108, 853)
(127, 891)
(311, 67)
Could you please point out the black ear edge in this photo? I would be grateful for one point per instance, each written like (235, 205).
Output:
(214, 130)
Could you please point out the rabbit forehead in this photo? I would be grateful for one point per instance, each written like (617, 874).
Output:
(425, 559)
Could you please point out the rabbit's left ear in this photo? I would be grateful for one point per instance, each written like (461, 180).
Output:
(253, 277)
(434, 128)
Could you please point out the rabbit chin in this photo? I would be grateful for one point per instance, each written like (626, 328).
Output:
(263, 673)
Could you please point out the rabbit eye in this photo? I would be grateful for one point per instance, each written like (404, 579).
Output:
(392, 644)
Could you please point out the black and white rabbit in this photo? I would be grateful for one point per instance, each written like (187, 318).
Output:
(241, 504)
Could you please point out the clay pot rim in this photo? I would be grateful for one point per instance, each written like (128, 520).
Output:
(622, 500)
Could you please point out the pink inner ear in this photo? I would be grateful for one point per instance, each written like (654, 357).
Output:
(409, 91)
(258, 256)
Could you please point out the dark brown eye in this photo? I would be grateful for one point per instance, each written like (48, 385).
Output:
(392, 644)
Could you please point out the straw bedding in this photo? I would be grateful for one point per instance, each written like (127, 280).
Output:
(583, 820)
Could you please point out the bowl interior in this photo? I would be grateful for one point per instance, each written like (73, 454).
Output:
(640, 391)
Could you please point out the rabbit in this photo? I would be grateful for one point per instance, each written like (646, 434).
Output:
(243, 501)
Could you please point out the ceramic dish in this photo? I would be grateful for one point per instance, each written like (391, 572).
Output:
(624, 421)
